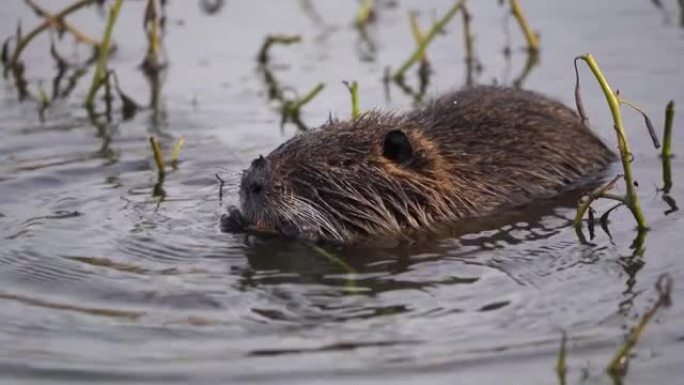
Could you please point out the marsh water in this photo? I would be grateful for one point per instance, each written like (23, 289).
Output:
(101, 281)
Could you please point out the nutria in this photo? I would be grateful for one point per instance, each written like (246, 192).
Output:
(463, 155)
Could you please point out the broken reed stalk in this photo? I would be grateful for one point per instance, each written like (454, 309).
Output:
(101, 65)
(354, 91)
(667, 133)
(299, 103)
(429, 36)
(175, 152)
(631, 199)
(25, 40)
(44, 100)
(666, 152)
(59, 23)
(221, 183)
(561, 366)
(530, 36)
(365, 14)
(159, 156)
(587, 200)
(467, 35)
(158, 189)
(262, 57)
(157, 153)
(616, 367)
(418, 35)
(469, 47)
(290, 109)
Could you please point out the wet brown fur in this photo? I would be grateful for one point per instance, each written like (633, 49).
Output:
(474, 150)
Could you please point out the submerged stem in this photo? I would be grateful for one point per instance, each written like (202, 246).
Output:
(587, 200)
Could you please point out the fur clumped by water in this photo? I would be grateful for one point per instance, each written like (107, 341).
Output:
(464, 155)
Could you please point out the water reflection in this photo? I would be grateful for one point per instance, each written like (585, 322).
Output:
(212, 7)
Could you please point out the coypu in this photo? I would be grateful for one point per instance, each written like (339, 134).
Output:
(461, 156)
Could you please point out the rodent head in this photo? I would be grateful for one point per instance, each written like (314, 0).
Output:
(376, 175)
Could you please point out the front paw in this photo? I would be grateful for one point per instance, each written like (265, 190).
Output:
(233, 221)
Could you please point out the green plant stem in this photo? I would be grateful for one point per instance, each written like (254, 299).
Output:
(469, 47)
(632, 198)
(354, 91)
(262, 57)
(561, 366)
(418, 35)
(363, 16)
(420, 50)
(23, 43)
(176, 152)
(667, 133)
(58, 22)
(587, 200)
(157, 153)
(351, 272)
(666, 153)
(530, 36)
(101, 65)
(299, 103)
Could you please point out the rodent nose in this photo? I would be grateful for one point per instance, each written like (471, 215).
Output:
(254, 179)
(255, 187)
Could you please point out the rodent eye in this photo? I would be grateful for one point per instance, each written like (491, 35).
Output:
(397, 147)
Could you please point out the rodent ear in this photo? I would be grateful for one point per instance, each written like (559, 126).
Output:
(397, 147)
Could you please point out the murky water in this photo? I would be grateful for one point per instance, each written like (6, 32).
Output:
(99, 282)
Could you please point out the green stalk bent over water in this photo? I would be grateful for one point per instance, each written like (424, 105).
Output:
(631, 199)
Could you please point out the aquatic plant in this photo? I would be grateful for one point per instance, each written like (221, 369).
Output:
(365, 14)
(351, 273)
(354, 92)
(55, 21)
(153, 23)
(630, 199)
(471, 62)
(617, 366)
(561, 365)
(419, 52)
(271, 40)
(100, 75)
(530, 36)
(157, 154)
(289, 108)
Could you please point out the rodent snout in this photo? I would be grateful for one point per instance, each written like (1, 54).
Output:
(254, 187)
(254, 180)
